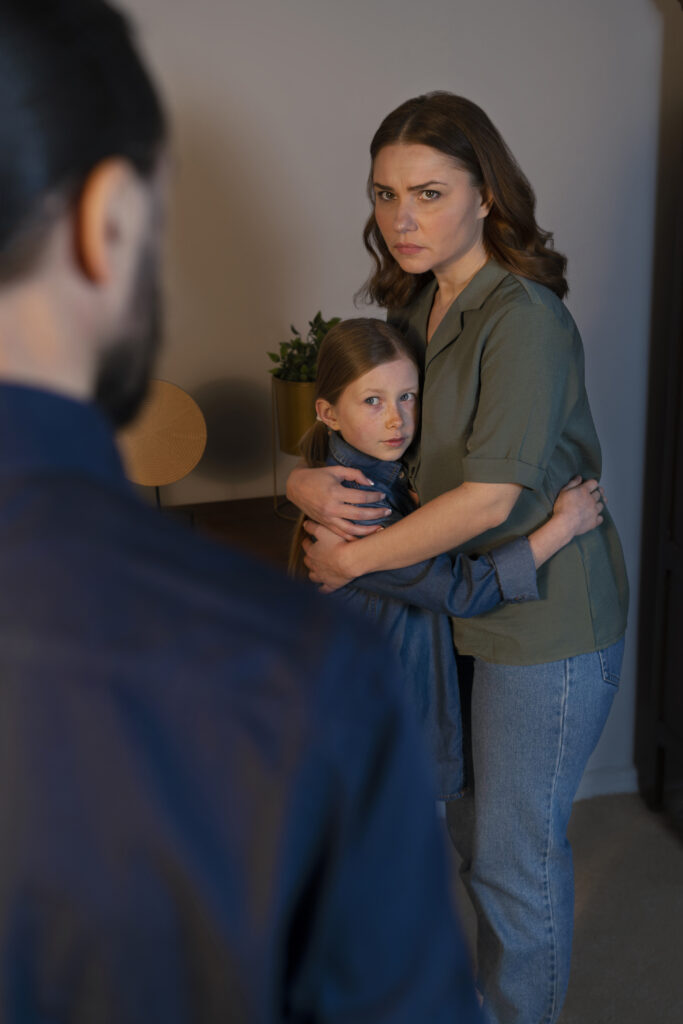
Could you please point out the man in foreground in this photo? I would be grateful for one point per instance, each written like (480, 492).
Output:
(212, 806)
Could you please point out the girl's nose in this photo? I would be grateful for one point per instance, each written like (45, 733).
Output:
(394, 417)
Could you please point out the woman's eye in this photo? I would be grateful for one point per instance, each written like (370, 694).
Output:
(430, 193)
(373, 400)
(384, 195)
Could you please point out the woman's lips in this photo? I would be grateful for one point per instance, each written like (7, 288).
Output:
(408, 250)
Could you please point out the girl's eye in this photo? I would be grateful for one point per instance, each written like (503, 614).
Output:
(430, 193)
(372, 400)
(408, 396)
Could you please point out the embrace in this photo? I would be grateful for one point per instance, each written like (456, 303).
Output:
(476, 322)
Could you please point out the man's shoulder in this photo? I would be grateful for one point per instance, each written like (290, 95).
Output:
(120, 572)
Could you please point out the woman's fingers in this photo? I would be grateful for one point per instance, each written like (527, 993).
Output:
(592, 486)
(583, 503)
(354, 530)
(354, 475)
(321, 494)
(343, 528)
(353, 510)
(597, 492)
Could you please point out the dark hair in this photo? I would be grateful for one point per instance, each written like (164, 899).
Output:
(348, 350)
(74, 92)
(460, 129)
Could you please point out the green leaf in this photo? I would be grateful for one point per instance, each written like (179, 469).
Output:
(297, 356)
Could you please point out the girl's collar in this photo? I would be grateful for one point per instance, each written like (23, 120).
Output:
(379, 470)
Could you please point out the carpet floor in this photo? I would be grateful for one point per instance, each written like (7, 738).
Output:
(627, 965)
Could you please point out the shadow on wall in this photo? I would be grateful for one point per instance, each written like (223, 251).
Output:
(227, 286)
(659, 709)
(238, 421)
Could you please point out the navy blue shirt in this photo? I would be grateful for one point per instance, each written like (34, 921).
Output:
(213, 806)
(411, 606)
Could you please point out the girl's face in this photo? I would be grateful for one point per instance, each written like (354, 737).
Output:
(429, 212)
(378, 412)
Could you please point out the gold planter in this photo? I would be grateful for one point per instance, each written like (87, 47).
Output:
(294, 404)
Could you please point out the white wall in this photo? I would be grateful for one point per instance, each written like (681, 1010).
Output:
(274, 105)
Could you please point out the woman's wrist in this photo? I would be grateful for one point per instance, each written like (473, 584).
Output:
(349, 561)
(551, 537)
(291, 487)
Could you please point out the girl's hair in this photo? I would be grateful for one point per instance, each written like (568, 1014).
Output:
(349, 349)
(74, 92)
(460, 129)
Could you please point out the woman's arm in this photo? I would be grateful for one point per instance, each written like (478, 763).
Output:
(460, 585)
(577, 509)
(446, 522)
(321, 495)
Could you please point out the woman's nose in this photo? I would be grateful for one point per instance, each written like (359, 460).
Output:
(403, 218)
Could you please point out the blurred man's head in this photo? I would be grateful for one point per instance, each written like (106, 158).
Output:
(81, 153)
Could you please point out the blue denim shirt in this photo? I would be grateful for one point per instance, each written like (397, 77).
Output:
(412, 606)
(205, 771)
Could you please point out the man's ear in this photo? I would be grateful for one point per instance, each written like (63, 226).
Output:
(110, 213)
(325, 412)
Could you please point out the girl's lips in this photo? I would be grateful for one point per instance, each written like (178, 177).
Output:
(395, 441)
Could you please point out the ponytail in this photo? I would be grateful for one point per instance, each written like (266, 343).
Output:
(314, 447)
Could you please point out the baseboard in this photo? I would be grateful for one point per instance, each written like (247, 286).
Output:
(603, 781)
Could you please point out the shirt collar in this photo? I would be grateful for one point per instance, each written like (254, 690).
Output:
(484, 282)
(42, 431)
(379, 470)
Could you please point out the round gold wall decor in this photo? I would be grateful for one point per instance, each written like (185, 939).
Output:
(167, 438)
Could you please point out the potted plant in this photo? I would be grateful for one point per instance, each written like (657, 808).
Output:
(294, 381)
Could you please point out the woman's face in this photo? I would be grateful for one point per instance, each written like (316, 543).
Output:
(429, 212)
(377, 413)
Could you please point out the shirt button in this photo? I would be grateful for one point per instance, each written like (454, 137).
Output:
(402, 475)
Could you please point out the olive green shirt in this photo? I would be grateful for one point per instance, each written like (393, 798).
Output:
(504, 401)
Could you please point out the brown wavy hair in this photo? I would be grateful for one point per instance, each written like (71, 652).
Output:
(460, 129)
(348, 350)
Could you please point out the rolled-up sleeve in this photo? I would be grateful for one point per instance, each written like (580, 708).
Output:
(530, 379)
(463, 585)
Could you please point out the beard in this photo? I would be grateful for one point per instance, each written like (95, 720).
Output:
(125, 366)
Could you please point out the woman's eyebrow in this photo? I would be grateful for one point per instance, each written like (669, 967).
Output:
(411, 188)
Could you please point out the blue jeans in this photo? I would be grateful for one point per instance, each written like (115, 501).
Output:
(532, 729)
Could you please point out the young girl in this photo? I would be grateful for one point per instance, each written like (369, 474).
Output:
(367, 406)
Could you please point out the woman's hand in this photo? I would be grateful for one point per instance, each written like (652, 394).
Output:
(322, 496)
(324, 557)
(577, 510)
(580, 505)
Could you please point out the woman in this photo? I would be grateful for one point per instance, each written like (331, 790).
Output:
(466, 272)
(367, 405)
